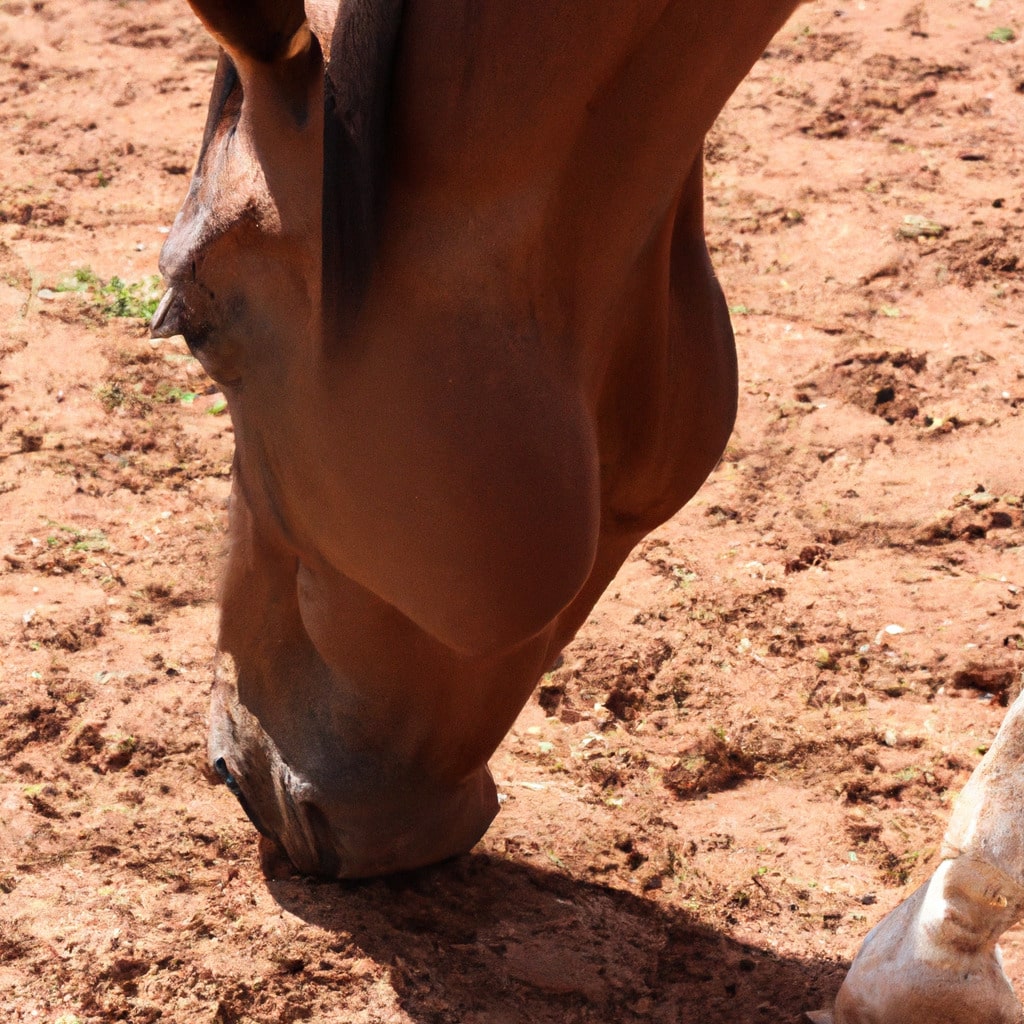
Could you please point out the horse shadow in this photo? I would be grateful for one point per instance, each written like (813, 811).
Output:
(484, 940)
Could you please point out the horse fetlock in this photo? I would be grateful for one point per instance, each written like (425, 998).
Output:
(969, 903)
(934, 959)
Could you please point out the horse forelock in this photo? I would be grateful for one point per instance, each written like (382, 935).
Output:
(357, 102)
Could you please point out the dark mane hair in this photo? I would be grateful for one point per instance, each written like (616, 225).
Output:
(357, 100)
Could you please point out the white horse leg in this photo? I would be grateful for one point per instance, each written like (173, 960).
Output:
(934, 959)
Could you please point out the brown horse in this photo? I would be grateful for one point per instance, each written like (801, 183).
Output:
(447, 261)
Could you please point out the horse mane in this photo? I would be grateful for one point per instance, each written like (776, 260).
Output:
(357, 101)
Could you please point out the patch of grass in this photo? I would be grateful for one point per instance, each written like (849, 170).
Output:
(91, 540)
(137, 299)
(81, 280)
(171, 393)
(116, 297)
(682, 578)
(1003, 34)
(113, 395)
(75, 538)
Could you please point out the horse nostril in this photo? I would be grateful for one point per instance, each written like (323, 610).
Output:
(221, 767)
(229, 780)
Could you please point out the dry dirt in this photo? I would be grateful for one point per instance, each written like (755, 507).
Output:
(749, 753)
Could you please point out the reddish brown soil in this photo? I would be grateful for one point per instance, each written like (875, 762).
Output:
(748, 755)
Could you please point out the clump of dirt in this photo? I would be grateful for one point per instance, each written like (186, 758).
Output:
(882, 88)
(884, 383)
(975, 260)
(712, 764)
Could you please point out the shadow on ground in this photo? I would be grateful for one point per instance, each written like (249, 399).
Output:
(482, 940)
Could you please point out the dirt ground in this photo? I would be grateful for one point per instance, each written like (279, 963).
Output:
(749, 753)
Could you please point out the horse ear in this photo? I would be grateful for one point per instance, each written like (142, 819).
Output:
(258, 30)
